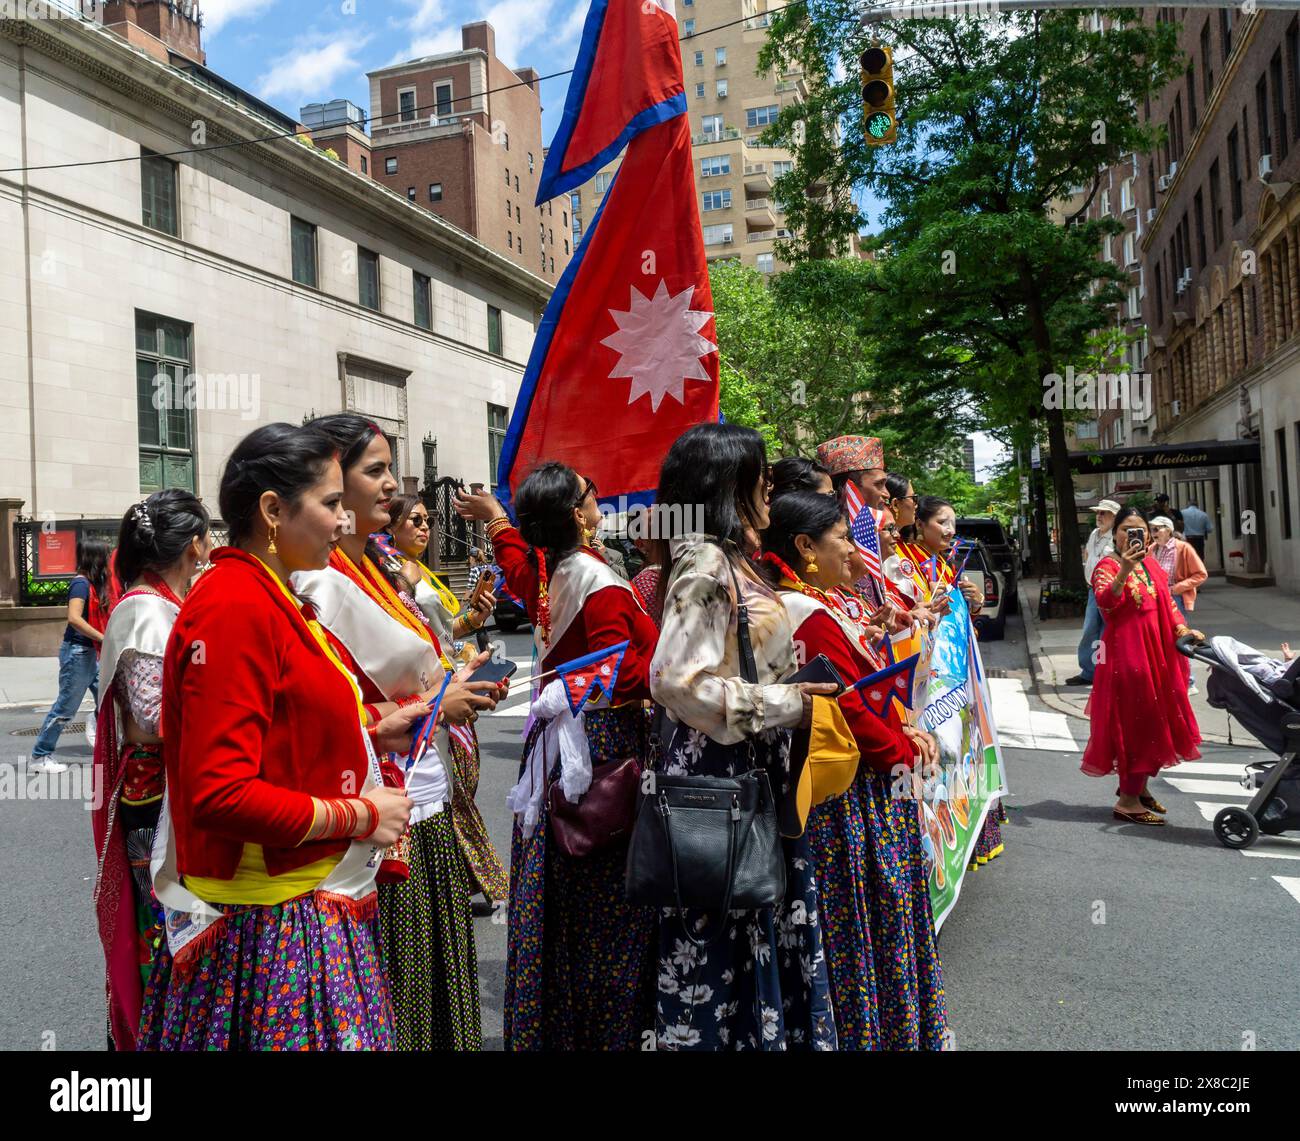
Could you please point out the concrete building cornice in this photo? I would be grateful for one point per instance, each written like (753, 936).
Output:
(89, 49)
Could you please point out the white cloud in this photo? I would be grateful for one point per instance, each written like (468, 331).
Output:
(310, 70)
(519, 25)
(219, 12)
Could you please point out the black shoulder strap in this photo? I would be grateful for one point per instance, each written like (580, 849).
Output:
(748, 668)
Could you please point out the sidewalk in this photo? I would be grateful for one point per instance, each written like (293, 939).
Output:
(30, 682)
(1264, 618)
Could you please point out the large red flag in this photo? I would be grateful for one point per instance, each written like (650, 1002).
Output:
(625, 358)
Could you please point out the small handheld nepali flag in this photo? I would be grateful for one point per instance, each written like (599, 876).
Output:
(591, 672)
(420, 739)
(878, 689)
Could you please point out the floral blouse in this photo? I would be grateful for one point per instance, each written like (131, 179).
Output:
(695, 673)
(139, 677)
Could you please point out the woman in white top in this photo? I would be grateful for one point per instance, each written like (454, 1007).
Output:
(765, 978)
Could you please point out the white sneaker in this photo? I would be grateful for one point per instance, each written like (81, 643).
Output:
(1192, 690)
(48, 765)
(90, 730)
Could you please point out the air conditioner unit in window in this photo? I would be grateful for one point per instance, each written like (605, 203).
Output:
(1151, 214)
(1265, 167)
(1173, 169)
(727, 239)
(1132, 263)
(1176, 407)
(1162, 183)
(722, 94)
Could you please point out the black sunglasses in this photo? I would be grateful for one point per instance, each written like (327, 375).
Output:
(590, 489)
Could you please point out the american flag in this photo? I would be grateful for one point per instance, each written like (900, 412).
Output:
(864, 525)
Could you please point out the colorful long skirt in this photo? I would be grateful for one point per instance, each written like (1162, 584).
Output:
(989, 845)
(301, 975)
(763, 984)
(909, 978)
(486, 873)
(579, 958)
(426, 937)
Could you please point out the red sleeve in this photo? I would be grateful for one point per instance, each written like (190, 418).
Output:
(610, 616)
(510, 553)
(1105, 574)
(225, 701)
(881, 743)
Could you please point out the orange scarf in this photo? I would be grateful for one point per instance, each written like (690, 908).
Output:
(368, 577)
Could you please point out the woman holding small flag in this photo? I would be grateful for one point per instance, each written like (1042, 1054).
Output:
(426, 924)
(886, 981)
(580, 960)
(275, 815)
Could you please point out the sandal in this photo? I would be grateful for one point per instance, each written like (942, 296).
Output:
(1137, 817)
(1151, 803)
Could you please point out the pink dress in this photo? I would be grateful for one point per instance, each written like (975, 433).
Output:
(1141, 719)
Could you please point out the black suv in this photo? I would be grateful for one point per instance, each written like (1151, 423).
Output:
(1001, 549)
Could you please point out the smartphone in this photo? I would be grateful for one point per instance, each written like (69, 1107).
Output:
(484, 584)
(1136, 537)
(476, 489)
(818, 670)
(496, 671)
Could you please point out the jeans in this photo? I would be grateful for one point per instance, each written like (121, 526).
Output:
(1093, 625)
(1198, 544)
(1191, 668)
(78, 672)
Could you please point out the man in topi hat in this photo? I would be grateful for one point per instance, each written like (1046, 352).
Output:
(860, 459)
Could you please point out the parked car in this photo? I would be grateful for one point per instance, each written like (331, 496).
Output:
(981, 569)
(1002, 548)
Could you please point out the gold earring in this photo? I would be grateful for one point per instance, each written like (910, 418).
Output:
(812, 567)
(270, 547)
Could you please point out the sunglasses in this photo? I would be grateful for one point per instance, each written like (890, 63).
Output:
(590, 489)
(418, 520)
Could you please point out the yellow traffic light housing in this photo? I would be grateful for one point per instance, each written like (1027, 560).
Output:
(879, 121)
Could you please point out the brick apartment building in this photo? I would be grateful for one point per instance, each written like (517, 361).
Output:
(460, 134)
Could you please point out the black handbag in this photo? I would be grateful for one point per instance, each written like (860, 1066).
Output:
(709, 843)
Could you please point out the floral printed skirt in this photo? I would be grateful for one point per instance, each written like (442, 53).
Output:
(579, 959)
(301, 975)
(989, 845)
(763, 984)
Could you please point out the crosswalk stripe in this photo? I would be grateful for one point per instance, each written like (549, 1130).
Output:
(1204, 768)
(1292, 884)
(1212, 787)
(1020, 727)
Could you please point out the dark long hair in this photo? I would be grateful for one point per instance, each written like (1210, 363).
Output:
(399, 509)
(92, 565)
(544, 507)
(795, 473)
(897, 485)
(797, 513)
(156, 532)
(276, 457)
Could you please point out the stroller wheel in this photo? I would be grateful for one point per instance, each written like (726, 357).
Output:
(1236, 828)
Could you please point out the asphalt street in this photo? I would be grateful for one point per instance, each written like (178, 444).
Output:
(1086, 934)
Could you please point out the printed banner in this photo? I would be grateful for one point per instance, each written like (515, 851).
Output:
(952, 702)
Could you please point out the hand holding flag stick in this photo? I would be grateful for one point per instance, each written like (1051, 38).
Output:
(585, 675)
(878, 690)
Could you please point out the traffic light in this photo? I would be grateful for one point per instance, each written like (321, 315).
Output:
(879, 120)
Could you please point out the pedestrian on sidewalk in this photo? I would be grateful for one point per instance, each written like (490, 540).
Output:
(79, 653)
(1141, 719)
(1184, 569)
(1099, 544)
(1196, 527)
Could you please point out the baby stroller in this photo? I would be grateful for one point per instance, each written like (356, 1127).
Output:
(1264, 695)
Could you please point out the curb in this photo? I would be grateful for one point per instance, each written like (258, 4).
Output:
(1045, 684)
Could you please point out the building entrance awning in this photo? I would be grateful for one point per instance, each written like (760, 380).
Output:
(1210, 453)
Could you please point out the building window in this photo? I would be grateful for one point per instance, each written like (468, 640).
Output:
(498, 420)
(575, 202)
(715, 165)
(712, 126)
(505, 141)
(494, 330)
(508, 210)
(782, 166)
(406, 105)
(717, 199)
(510, 239)
(1283, 483)
(1280, 132)
(762, 116)
(566, 247)
(1225, 32)
(564, 218)
(1216, 205)
(516, 180)
(721, 85)
(577, 229)
(1234, 174)
(410, 193)
(553, 263)
(1191, 96)
(1293, 66)
(1130, 248)
(688, 28)
(507, 178)
(1207, 71)
(365, 165)
(1198, 208)
(158, 192)
(368, 278)
(699, 59)
(518, 217)
(699, 91)
(423, 305)
(766, 263)
(1126, 194)
(1160, 296)
(302, 240)
(720, 56)
(435, 192)
(390, 165)
(164, 381)
(1104, 206)
(719, 235)
(521, 243)
(1261, 118)
(603, 179)
(443, 104)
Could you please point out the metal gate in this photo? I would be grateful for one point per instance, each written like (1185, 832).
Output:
(454, 536)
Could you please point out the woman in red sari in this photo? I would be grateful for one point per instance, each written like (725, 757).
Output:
(1139, 670)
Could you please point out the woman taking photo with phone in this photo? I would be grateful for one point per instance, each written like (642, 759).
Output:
(1141, 719)
(275, 814)
(764, 975)
(878, 926)
(580, 959)
(162, 542)
(426, 924)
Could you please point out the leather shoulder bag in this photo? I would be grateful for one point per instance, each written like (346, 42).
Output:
(709, 843)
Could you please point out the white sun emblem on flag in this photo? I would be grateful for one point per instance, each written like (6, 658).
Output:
(660, 344)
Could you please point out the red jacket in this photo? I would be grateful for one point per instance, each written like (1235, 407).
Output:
(256, 721)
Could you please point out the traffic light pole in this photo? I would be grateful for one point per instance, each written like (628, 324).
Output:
(946, 9)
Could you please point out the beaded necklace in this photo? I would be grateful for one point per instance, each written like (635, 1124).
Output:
(830, 599)
(1138, 580)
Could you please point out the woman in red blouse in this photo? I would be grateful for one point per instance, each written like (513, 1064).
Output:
(276, 818)
(1139, 671)
(580, 960)
(886, 982)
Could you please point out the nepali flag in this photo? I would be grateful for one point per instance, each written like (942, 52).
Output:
(864, 529)
(625, 358)
(592, 672)
(878, 689)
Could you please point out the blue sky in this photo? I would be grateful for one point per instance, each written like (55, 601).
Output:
(292, 52)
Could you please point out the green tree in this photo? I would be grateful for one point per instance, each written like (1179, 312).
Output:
(983, 292)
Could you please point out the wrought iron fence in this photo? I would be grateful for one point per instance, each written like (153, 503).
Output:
(455, 536)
